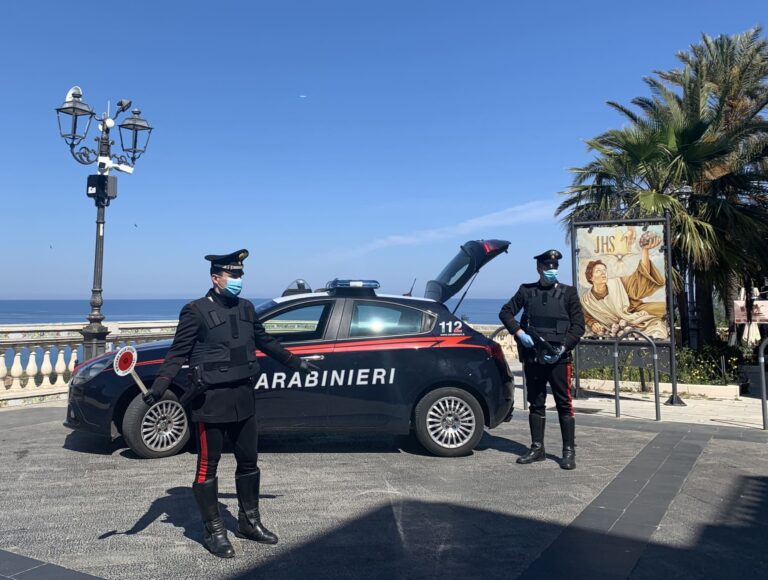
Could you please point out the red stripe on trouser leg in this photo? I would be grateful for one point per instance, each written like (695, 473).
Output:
(568, 385)
(202, 458)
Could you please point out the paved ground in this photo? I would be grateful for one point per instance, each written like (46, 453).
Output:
(745, 411)
(648, 499)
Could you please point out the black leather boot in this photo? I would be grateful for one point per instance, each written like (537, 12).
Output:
(536, 452)
(207, 497)
(568, 429)
(248, 519)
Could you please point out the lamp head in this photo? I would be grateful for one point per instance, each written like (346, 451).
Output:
(75, 93)
(71, 111)
(134, 135)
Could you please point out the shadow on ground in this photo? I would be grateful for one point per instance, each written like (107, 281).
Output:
(92, 444)
(178, 508)
(502, 444)
(415, 539)
(302, 443)
(373, 443)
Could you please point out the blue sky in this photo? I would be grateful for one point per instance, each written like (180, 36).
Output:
(345, 138)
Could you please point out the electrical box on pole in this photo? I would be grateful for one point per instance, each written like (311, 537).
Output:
(102, 186)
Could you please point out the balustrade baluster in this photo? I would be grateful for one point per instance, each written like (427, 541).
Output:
(60, 368)
(31, 369)
(16, 370)
(3, 371)
(47, 368)
(72, 360)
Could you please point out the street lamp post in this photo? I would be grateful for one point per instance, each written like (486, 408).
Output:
(101, 187)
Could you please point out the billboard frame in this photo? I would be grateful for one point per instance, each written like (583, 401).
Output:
(588, 344)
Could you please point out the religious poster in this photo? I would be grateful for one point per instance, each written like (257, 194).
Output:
(759, 312)
(622, 280)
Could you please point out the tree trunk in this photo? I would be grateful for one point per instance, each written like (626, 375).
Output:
(732, 293)
(706, 310)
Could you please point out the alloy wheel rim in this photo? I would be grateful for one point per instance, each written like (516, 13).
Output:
(450, 422)
(164, 425)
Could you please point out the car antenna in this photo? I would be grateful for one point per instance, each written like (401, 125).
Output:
(465, 292)
(410, 292)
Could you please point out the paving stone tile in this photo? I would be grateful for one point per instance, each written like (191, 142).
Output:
(11, 563)
(53, 572)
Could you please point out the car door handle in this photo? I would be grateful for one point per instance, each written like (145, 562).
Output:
(314, 357)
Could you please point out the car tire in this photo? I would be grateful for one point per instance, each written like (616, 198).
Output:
(448, 422)
(161, 430)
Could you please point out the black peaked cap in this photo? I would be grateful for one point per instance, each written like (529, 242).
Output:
(549, 256)
(232, 263)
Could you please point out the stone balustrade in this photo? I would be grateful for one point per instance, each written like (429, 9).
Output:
(37, 360)
(500, 335)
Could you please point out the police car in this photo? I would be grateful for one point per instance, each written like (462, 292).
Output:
(388, 363)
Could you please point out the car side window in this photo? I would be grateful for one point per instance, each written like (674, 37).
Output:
(304, 322)
(371, 319)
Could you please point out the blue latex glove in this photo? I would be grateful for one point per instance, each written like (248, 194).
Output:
(551, 359)
(525, 339)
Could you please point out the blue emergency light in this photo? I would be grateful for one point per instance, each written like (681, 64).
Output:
(336, 283)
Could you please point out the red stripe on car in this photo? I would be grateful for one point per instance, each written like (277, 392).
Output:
(385, 344)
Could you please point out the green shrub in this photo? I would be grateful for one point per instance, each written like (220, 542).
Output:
(715, 364)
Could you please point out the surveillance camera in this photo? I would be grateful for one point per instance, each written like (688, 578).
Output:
(122, 105)
(124, 168)
(74, 93)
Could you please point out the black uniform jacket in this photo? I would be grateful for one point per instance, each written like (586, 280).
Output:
(220, 403)
(519, 302)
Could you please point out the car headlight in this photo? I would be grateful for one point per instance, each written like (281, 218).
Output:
(90, 370)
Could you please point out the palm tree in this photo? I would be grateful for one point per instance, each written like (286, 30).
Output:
(708, 137)
(736, 69)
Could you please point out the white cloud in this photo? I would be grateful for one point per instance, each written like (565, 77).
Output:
(534, 211)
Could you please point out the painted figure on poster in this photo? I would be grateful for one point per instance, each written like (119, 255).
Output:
(613, 302)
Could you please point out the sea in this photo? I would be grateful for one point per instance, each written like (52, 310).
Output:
(473, 310)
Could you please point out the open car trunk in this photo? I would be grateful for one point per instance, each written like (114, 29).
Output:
(472, 256)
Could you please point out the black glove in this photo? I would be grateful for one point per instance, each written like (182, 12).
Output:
(306, 367)
(149, 398)
(551, 358)
(156, 391)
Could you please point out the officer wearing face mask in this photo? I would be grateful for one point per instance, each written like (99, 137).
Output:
(552, 313)
(218, 335)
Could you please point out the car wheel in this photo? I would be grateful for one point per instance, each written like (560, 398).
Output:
(449, 422)
(161, 430)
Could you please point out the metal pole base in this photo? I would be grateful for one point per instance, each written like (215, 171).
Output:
(676, 401)
(94, 340)
(579, 393)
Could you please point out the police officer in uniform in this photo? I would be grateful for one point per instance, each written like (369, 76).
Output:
(218, 335)
(552, 312)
